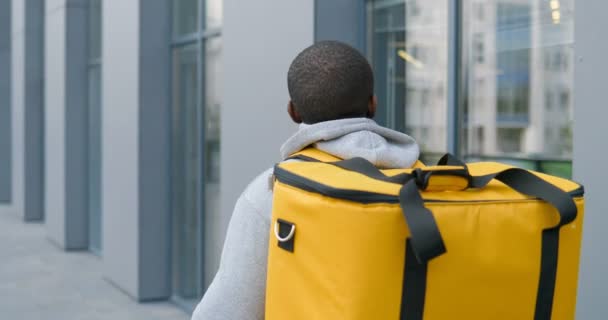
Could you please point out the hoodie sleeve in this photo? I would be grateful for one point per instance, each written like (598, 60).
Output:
(238, 289)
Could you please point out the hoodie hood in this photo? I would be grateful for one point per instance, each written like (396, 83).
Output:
(356, 137)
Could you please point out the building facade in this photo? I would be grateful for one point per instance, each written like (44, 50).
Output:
(131, 127)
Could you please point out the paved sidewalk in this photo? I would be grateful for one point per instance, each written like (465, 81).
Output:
(39, 281)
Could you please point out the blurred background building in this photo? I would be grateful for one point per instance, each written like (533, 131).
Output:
(514, 77)
(130, 127)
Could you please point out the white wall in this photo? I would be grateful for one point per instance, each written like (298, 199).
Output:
(261, 38)
(119, 134)
(54, 123)
(17, 106)
(591, 152)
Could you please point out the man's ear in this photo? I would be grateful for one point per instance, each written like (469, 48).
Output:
(293, 113)
(371, 108)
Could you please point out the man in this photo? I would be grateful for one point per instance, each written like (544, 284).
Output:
(331, 90)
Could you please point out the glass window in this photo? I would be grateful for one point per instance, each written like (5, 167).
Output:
(94, 29)
(564, 100)
(186, 159)
(185, 17)
(479, 10)
(528, 72)
(94, 130)
(548, 101)
(408, 51)
(196, 148)
(478, 48)
(516, 74)
(213, 13)
(213, 76)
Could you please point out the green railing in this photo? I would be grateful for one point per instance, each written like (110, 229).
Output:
(561, 167)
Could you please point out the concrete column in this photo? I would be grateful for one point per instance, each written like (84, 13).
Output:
(21, 112)
(17, 82)
(65, 124)
(258, 49)
(135, 146)
(590, 152)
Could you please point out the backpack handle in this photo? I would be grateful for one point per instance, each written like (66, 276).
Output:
(437, 178)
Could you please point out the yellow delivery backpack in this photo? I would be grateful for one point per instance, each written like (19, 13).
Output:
(479, 241)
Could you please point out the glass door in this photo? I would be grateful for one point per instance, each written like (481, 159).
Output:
(518, 79)
(407, 47)
(186, 178)
(196, 60)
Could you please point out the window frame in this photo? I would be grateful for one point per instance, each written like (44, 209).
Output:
(199, 39)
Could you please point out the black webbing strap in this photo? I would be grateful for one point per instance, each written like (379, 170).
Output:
(361, 166)
(414, 286)
(548, 274)
(449, 160)
(303, 158)
(367, 168)
(529, 184)
(425, 237)
(524, 182)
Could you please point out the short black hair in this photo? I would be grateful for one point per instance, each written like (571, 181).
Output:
(330, 80)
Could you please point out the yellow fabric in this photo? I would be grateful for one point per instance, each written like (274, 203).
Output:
(349, 257)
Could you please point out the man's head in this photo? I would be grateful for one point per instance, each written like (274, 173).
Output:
(330, 80)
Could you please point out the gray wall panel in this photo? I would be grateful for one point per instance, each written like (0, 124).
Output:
(254, 120)
(76, 130)
(590, 152)
(34, 109)
(5, 102)
(154, 151)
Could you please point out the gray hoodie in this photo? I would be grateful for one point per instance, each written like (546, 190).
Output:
(238, 289)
